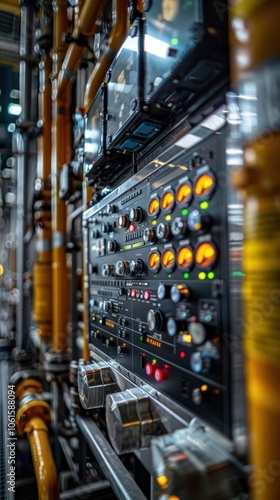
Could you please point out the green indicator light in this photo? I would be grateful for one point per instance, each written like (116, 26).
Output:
(174, 41)
(186, 276)
(169, 275)
(155, 275)
(185, 211)
(141, 338)
(204, 205)
(154, 361)
(100, 321)
(238, 273)
(211, 276)
(201, 276)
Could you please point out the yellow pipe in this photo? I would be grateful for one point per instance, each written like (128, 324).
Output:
(116, 39)
(252, 23)
(31, 418)
(84, 30)
(45, 470)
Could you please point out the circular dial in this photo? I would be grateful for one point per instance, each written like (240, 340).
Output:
(185, 257)
(111, 246)
(179, 292)
(108, 270)
(171, 327)
(154, 206)
(197, 331)
(122, 268)
(154, 261)
(123, 221)
(136, 214)
(149, 235)
(168, 201)
(204, 186)
(200, 363)
(184, 193)
(168, 259)
(205, 255)
(136, 266)
(178, 226)
(154, 320)
(197, 221)
(162, 292)
(163, 231)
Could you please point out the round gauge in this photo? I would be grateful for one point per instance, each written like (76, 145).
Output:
(168, 201)
(154, 261)
(185, 257)
(168, 259)
(204, 186)
(205, 255)
(154, 206)
(184, 193)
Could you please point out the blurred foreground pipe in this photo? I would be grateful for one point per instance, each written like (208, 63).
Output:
(255, 72)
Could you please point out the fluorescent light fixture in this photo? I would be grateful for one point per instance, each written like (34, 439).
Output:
(152, 45)
(214, 122)
(188, 140)
(14, 109)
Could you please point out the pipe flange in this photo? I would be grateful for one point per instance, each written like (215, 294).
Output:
(31, 409)
(24, 375)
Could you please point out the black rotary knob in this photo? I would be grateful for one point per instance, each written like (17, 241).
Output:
(123, 221)
(149, 235)
(154, 320)
(108, 270)
(136, 214)
(122, 268)
(163, 231)
(136, 267)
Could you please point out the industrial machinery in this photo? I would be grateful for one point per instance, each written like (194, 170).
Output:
(121, 276)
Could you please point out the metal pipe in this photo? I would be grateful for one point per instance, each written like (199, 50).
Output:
(116, 39)
(83, 31)
(45, 471)
(255, 69)
(85, 490)
(122, 483)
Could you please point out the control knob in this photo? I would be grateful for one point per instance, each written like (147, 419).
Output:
(149, 235)
(106, 306)
(173, 326)
(163, 292)
(163, 231)
(198, 221)
(123, 221)
(178, 227)
(197, 331)
(108, 270)
(200, 362)
(106, 228)
(122, 268)
(121, 349)
(111, 246)
(154, 320)
(179, 292)
(136, 214)
(137, 266)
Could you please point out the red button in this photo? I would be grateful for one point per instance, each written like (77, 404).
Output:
(158, 375)
(132, 228)
(133, 293)
(149, 369)
(147, 294)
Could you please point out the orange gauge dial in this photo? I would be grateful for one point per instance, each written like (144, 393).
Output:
(168, 259)
(154, 261)
(185, 257)
(204, 186)
(205, 255)
(154, 206)
(184, 193)
(168, 200)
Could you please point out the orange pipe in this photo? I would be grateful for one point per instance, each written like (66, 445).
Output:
(84, 29)
(254, 21)
(116, 39)
(45, 470)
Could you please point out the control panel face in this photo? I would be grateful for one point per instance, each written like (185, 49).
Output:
(158, 279)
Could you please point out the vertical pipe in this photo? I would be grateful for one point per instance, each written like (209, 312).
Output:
(23, 145)
(255, 72)
(61, 153)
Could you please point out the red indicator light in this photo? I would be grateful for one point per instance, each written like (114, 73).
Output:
(182, 354)
(149, 369)
(133, 293)
(147, 294)
(158, 375)
(132, 228)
